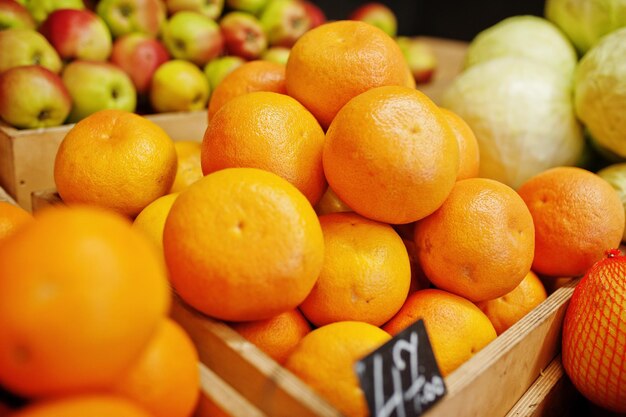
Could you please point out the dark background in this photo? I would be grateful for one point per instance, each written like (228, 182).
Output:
(455, 19)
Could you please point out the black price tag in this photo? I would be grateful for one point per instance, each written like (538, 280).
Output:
(401, 378)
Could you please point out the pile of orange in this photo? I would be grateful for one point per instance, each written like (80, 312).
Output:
(336, 205)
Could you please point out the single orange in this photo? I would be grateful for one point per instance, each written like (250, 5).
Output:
(457, 329)
(188, 168)
(390, 155)
(480, 243)
(74, 317)
(116, 160)
(252, 76)
(165, 380)
(505, 311)
(577, 215)
(269, 131)
(11, 218)
(469, 155)
(337, 61)
(243, 244)
(366, 272)
(594, 334)
(81, 406)
(325, 358)
(276, 336)
(151, 220)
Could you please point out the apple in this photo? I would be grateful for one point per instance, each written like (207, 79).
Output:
(243, 35)
(315, 13)
(220, 67)
(284, 21)
(139, 55)
(77, 34)
(32, 97)
(96, 86)
(179, 85)
(419, 56)
(192, 37)
(15, 15)
(127, 16)
(377, 14)
(278, 54)
(249, 6)
(210, 8)
(26, 47)
(40, 9)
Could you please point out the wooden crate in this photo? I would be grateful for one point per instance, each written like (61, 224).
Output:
(27, 156)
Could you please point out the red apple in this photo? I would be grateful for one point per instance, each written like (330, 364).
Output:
(14, 15)
(419, 56)
(377, 14)
(193, 37)
(33, 97)
(139, 55)
(127, 16)
(243, 35)
(77, 34)
(284, 21)
(316, 14)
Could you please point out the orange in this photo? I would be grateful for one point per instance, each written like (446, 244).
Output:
(165, 380)
(81, 406)
(457, 329)
(151, 220)
(252, 76)
(505, 311)
(577, 215)
(269, 131)
(324, 360)
(276, 336)
(116, 160)
(390, 155)
(243, 244)
(418, 278)
(366, 273)
(81, 294)
(330, 203)
(336, 61)
(479, 244)
(188, 169)
(594, 334)
(11, 218)
(469, 156)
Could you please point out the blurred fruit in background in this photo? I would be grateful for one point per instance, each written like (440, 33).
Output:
(27, 47)
(178, 85)
(243, 35)
(11, 218)
(128, 16)
(377, 14)
(218, 68)
(15, 15)
(419, 56)
(284, 21)
(210, 8)
(615, 174)
(192, 37)
(40, 9)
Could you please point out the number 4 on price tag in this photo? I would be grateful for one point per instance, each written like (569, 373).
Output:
(401, 378)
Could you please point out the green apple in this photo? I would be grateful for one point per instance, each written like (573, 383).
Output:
(179, 85)
(27, 47)
(278, 54)
(127, 16)
(377, 14)
(15, 15)
(192, 37)
(419, 56)
(40, 9)
(220, 67)
(250, 6)
(210, 8)
(96, 86)
(284, 21)
(33, 97)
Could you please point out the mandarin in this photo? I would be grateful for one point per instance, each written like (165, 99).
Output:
(116, 160)
(324, 360)
(479, 244)
(151, 220)
(469, 155)
(366, 272)
(252, 76)
(390, 155)
(269, 131)
(243, 244)
(165, 379)
(79, 313)
(189, 169)
(337, 61)
(276, 336)
(12, 217)
(81, 406)
(457, 329)
(505, 311)
(577, 215)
